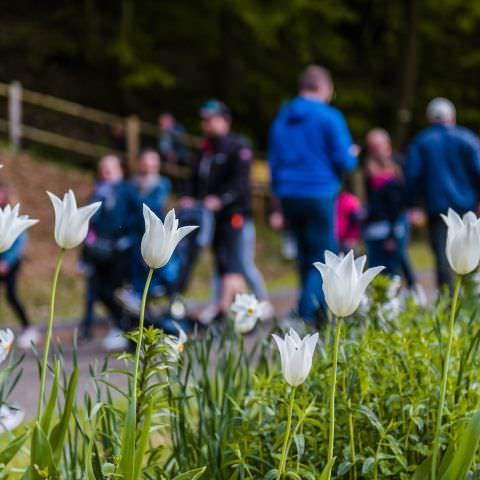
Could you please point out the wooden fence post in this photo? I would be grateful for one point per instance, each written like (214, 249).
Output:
(133, 141)
(15, 115)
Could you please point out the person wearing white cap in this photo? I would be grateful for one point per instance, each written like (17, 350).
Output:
(443, 171)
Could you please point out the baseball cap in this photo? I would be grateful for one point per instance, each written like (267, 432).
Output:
(214, 107)
(440, 110)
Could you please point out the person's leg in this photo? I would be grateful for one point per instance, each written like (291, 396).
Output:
(378, 256)
(438, 240)
(12, 297)
(320, 236)
(406, 266)
(90, 296)
(251, 273)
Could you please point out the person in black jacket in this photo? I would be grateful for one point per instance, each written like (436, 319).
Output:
(386, 228)
(221, 182)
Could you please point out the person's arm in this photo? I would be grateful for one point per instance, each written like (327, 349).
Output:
(414, 175)
(239, 183)
(14, 253)
(342, 150)
(272, 157)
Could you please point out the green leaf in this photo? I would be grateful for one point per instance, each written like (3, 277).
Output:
(57, 437)
(191, 474)
(89, 472)
(127, 453)
(47, 416)
(327, 471)
(463, 458)
(143, 441)
(423, 470)
(41, 456)
(7, 454)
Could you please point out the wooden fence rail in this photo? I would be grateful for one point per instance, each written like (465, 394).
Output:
(13, 125)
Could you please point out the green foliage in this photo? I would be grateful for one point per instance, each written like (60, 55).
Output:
(144, 56)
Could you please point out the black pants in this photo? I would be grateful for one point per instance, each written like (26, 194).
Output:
(10, 281)
(437, 231)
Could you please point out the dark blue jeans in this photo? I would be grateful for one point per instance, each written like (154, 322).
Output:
(312, 222)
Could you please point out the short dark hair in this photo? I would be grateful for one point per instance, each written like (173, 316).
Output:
(313, 77)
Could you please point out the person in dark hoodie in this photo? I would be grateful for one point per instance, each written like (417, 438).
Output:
(309, 147)
(443, 171)
(108, 246)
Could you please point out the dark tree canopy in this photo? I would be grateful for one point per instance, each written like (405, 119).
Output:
(146, 56)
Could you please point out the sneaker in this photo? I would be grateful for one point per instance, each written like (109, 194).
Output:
(129, 300)
(115, 340)
(208, 314)
(10, 417)
(27, 337)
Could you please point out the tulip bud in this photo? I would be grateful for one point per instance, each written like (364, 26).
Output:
(71, 223)
(463, 241)
(296, 356)
(160, 239)
(344, 282)
(12, 225)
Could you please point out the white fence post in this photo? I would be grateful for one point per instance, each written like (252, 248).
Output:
(15, 114)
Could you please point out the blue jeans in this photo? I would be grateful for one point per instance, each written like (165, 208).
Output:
(250, 272)
(312, 222)
(397, 261)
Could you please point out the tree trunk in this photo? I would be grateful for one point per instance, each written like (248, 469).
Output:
(409, 65)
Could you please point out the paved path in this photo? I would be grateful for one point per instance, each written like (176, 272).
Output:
(26, 391)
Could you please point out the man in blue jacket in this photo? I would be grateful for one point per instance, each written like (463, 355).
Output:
(310, 146)
(443, 171)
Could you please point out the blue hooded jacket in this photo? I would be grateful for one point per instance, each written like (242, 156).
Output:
(309, 148)
(443, 169)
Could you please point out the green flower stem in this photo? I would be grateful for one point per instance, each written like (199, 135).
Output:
(333, 382)
(48, 339)
(283, 458)
(443, 391)
(140, 333)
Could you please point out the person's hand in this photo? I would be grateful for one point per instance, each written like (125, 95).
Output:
(277, 222)
(213, 203)
(417, 217)
(390, 245)
(186, 202)
(4, 268)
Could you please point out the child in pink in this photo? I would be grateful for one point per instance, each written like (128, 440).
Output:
(348, 215)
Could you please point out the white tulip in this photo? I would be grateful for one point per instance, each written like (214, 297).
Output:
(160, 239)
(296, 356)
(6, 343)
(71, 222)
(12, 225)
(344, 282)
(463, 241)
(248, 310)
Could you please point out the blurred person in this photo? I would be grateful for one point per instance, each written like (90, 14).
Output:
(108, 246)
(118, 136)
(348, 221)
(443, 171)
(380, 155)
(385, 228)
(289, 248)
(10, 263)
(152, 190)
(309, 147)
(221, 182)
(171, 138)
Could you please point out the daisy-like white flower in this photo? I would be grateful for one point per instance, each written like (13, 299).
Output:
(6, 343)
(247, 310)
(176, 344)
